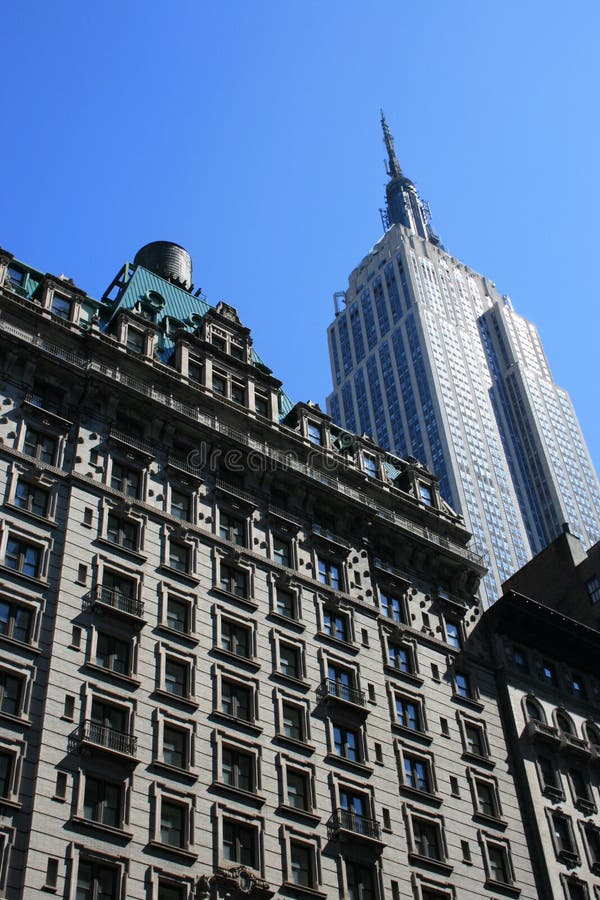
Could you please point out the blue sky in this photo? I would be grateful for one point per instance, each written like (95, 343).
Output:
(249, 133)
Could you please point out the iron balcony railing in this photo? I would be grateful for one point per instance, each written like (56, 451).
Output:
(330, 689)
(540, 731)
(347, 820)
(107, 737)
(329, 536)
(107, 596)
(129, 440)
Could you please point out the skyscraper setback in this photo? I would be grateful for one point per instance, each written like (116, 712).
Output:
(429, 359)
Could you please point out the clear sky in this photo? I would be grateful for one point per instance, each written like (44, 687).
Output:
(248, 131)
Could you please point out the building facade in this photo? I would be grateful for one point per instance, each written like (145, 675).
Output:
(231, 634)
(431, 361)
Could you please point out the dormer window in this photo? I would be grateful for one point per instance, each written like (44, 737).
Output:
(370, 465)
(236, 350)
(219, 342)
(195, 370)
(16, 276)
(261, 403)
(314, 433)
(425, 494)
(61, 306)
(135, 340)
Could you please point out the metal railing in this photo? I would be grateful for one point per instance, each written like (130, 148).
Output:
(134, 442)
(107, 737)
(347, 820)
(329, 536)
(330, 689)
(120, 602)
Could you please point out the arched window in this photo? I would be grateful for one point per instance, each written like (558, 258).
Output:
(564, 722)
(592, 732)
(534, 711)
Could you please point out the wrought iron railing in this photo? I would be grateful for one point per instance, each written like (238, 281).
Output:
(120, 602)
(347, 820)
(107, 737)
(331, 689)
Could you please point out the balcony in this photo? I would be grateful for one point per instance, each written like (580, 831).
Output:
(329, 536)
(576, 745)
(131, 442)
(332, 691)
(92, 735)
(107, 599)
(345, 824)
(539, 731)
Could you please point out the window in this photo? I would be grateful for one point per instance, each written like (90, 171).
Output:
(15, 621)
(347, 743)
(341, 683)
(178, 614)
(51, 873)
(427, 838)
(290, 660)
(7, 764)
(41, 446)
(564, 723)
(239, 843)
(109, 723)
(174, 823)
(261, 403)
(23, 557)
(113, 653)
(180, 505)
(498, 863)
(61, 306)
(96, 881)
(463, 686)
(122, 532)
(31, 498)
(370, 465)
(577, 686)
(233, 581)
(562, 833)
(549, 777)
(236, 350)
(126, 480)
(314, 433)
(592, 841)
(103, 802)
(236, 638)
(549, 673)
(425, 493)
(282, 552)
(194, 370)
(285, 603)
(175, 747)
(575, 889)
(236, 700)
(581, 788)
(177, 677)
(16, 276)
(238, 391)
(232, 529)
(355, 809)
(293, 722)
(400, 657)
(593, 589)
(170, 891)
(329, 573)
(297, 789)
(533, 711)
(179, 556)
(391, 607)
(336, 625)
(453, 634)
(238, 768)
(117, 589)
(409, 713)
(487, 802)
(519, 658)
(219, 383)
(11, 693)
(475, 739)
(417, 773)
(302, 864)
(135, 340)
(361, 882)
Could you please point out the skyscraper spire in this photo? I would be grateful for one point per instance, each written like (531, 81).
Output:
(393, 166)
(403, 204)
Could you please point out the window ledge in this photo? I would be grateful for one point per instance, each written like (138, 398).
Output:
(291, 680)
(417, 794)
(469, 702)
(348, 646)
(245, 601)
(503, 886)
(439, 864)
(252, 727)
(587, 807)
(128, 680)
(188, 638)
(555, 795)
(249, 662)
(17, 720)
(497, 821)
(101, 827)
(239, 793)
(175, 771)
(185, 576)
(187, 702)
(409, 677)
(43, 582)
(43, 520)
(306, 816)
(294, 744)
(180, 852)
(480, 760)
(11, 804)
(20, 645)
(300, 890)
(422, 736)
(353, 765)
(287, 621)
(132, 554)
